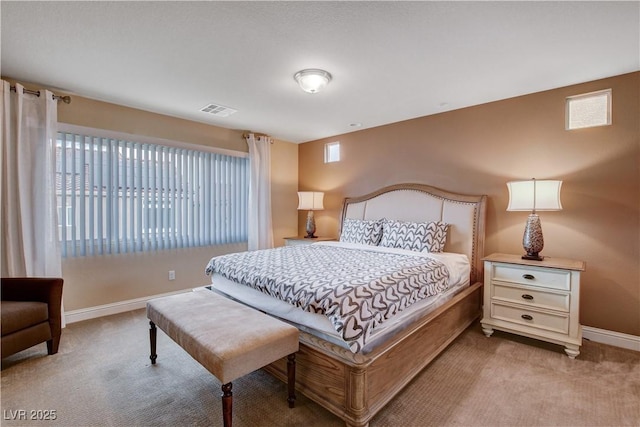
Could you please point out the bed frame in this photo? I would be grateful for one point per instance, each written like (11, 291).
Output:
(356, 386)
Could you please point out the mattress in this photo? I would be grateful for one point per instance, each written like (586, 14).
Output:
(319, 325)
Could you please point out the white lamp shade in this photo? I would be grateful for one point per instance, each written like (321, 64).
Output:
(534, 195)
(310, 200)
(312, 80)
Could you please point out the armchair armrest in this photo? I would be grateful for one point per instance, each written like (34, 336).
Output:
(43, 289)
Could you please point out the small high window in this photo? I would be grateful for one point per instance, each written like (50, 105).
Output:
(588, 110)
(332, 152)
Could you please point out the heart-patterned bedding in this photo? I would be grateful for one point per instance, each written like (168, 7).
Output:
(356, 289)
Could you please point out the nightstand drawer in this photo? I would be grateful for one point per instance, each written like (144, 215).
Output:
(544, 277)
(536, 319)
(534, 298)
(291, 242)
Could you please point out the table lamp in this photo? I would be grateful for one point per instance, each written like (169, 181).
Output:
(534, 195)
(310, 201)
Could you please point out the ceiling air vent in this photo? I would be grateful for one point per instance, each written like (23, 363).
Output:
(218, 110)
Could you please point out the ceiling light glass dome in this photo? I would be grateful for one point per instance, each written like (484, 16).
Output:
(312, 80)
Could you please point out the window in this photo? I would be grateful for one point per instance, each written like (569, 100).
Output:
(66, 219)
(123, 196)
(588, 110)
(332, 152)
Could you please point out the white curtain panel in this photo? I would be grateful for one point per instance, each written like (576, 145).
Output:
(29, 233)
(259, 215)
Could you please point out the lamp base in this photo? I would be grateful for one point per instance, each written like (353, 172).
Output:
(532, 240)
(534, 257)
(310, 226)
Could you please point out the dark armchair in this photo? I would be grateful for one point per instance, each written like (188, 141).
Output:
(31, 313)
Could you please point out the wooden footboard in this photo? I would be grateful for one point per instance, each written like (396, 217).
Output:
(355, 387)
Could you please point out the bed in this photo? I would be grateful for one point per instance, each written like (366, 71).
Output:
(354, 377)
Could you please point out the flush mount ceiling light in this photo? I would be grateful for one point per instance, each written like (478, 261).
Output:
(312, 80)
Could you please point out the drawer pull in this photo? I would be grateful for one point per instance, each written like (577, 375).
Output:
(527, 317)
(529, 276)
(527, 296)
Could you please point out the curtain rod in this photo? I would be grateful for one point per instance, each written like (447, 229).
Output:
(65, 99)
(246, 135)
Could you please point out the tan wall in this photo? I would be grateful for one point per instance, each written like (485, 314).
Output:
(477, 150)
(108, 279)
(284, 191)
(102, 115)
(95, 281)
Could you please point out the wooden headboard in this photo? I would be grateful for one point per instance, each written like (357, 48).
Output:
(421, 203)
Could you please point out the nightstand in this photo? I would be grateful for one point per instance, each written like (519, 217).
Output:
(301, 240)
(537, 299)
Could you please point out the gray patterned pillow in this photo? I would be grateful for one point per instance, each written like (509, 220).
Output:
(362, 231)
(414, 236)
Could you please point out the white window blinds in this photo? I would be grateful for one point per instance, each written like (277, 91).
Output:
(117, 196)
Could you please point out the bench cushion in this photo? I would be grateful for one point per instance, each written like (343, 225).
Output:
(227, 338)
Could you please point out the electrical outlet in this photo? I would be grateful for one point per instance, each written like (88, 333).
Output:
(172, 275)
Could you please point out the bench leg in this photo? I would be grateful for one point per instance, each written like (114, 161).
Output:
(153, 333)
(291, 379)
(227, 404)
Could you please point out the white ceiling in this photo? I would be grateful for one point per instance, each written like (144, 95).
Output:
(390, 61)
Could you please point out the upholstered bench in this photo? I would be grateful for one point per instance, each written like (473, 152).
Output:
(228, 338)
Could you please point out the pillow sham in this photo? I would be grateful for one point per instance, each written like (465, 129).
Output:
(414, 236)
(367, 232)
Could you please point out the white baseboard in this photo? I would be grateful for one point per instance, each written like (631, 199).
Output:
(617, 339)
(113, 308)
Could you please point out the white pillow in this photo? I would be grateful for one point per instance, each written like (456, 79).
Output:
(414, 236)
(361, 231)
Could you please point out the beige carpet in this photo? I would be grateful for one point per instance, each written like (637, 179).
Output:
(102, 376)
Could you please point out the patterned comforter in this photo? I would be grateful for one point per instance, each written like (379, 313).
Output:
(357, 289)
